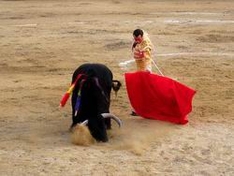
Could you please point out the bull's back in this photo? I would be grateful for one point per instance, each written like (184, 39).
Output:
(94, 70)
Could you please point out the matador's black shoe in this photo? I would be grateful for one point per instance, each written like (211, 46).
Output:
(134, 113)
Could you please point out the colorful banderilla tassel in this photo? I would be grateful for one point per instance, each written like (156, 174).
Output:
(68, 93)
(78, 100)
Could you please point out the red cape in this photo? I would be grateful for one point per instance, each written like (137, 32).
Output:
(159, 97)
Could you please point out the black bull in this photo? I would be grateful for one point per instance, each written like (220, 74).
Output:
(92, 90)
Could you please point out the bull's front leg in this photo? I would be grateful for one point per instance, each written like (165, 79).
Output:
(107, 123)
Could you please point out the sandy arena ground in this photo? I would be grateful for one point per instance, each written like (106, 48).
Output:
(42, 42)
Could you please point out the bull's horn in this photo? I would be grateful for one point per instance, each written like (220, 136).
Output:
(84, 122)
(116, 119)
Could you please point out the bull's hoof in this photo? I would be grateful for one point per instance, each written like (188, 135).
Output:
(71, 129)
(108, 127)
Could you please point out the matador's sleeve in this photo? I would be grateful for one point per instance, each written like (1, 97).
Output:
(147, 48)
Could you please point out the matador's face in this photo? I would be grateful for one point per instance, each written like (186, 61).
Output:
(138, 39)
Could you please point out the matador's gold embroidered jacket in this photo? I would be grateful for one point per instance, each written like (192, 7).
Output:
(144, 48)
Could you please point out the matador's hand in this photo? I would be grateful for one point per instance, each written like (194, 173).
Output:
(139, 54)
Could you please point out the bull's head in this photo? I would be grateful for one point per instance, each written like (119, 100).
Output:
(98, 128)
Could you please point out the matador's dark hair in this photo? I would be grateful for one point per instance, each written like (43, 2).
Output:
(138, 32)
